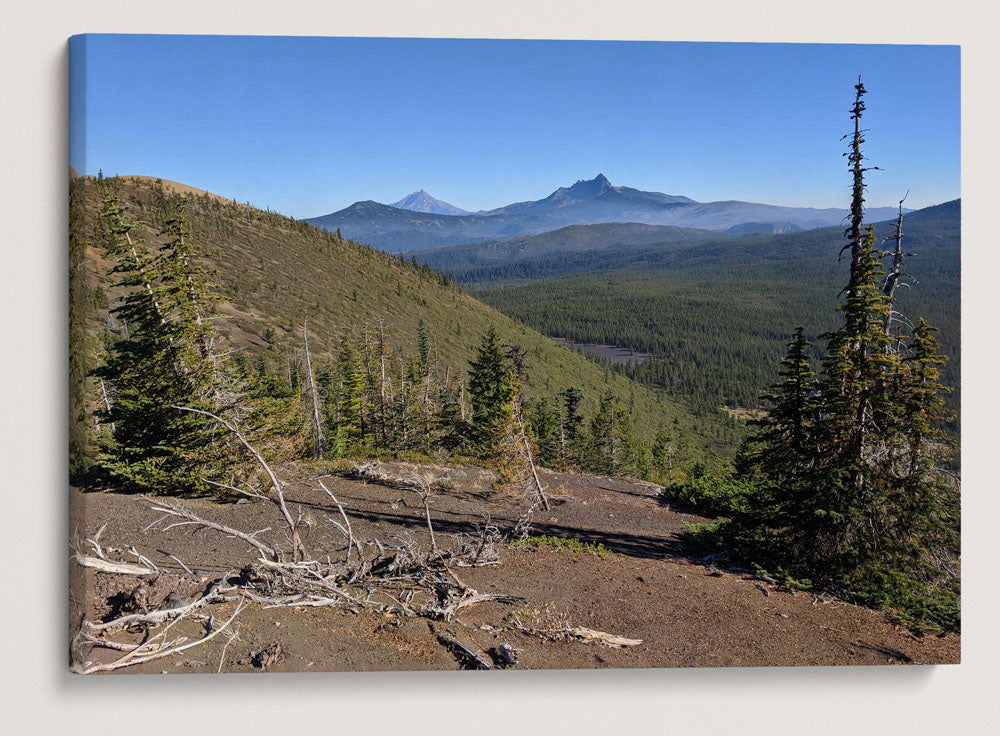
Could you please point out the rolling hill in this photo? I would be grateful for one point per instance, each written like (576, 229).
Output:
(465, 261)
(271, 273)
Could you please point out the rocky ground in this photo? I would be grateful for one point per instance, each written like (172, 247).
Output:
(687, 613)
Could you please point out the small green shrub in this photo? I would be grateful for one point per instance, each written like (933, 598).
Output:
(568, 543)
(712, 494)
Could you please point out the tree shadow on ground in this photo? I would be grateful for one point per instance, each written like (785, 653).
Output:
(410, 517)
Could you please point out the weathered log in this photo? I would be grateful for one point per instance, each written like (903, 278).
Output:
(469, 657)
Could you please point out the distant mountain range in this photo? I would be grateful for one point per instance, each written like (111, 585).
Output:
(423, 202)
(581, 248)
(395, 228)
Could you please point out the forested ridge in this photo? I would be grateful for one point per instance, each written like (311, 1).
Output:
(716, 315)
(272, 281)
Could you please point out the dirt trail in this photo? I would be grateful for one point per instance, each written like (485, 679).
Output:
(685, 613)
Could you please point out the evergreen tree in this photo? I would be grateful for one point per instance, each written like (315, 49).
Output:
(664, 457)
(350, 417)
(423, 348)
(572, 449)
(858, 423)
(545, 427)
(81, 389)
(780, 458)
(612, 447)
(164, 362)
(490, 388)
(847, 489)
(929, 506)
(453, 431)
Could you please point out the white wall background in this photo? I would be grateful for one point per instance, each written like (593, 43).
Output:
(39, 695)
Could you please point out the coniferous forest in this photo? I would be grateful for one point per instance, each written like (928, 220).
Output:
(716, 316)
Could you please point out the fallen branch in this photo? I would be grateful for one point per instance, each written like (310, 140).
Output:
(579, 633)
(172, 509)
(469, 657)
(118, 568)
(99, 560)
(602, 637)
(400, 579)
(137, 656)
(214, 594)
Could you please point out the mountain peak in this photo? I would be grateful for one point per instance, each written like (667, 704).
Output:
(586, 188)
(421, 201)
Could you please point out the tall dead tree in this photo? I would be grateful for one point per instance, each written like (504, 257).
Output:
(894, 278)
(383, 381)
(377, 382)
(317, 424)
(524, 445)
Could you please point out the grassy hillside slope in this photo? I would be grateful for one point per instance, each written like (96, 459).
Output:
(273, 272)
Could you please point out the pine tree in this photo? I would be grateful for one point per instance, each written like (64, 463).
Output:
(847, 483)
(780, 459)
(423, 348)
(164, 362)
(350, 417)
(571, 445)
(452, 430)
(612, 447)
(81, 346)
(545, 428)
(793, 405)
(929, 505)
(856, 430)
(490, 387)
(664, 457)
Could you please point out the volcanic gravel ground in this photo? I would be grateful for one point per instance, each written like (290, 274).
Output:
(687, 614)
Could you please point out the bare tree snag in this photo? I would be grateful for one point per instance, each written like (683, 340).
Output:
(347, 524)
(317, 424)
(298, 550)
(894, 278)
(530, 460)
(107, 403)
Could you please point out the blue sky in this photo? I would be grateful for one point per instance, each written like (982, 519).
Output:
(306, 126)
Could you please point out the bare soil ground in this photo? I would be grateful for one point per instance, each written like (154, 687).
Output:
(686, 613)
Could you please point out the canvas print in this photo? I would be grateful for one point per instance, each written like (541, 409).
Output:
(429, 354)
